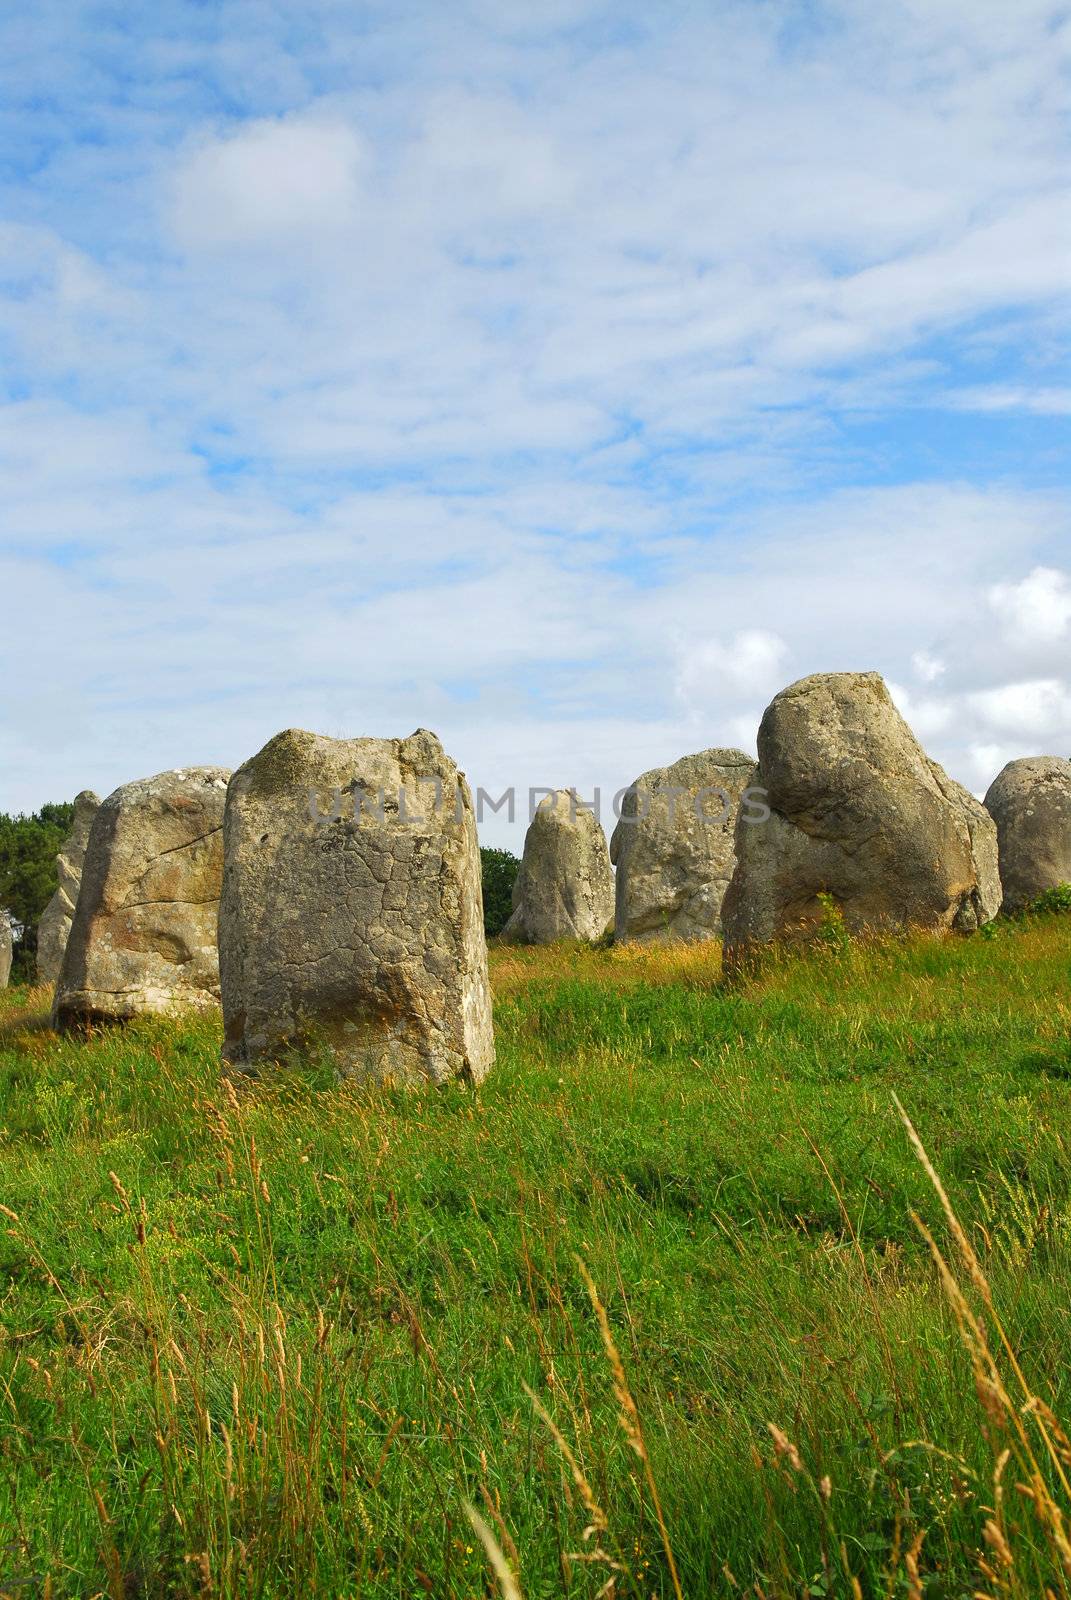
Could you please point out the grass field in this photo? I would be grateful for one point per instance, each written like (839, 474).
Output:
(272, 1341)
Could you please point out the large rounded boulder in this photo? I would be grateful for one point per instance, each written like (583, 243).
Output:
(351, 920)
(1030, 802)
(54, 928)
(143, 936)
(673, 846)
(860, 821)
(565, 888)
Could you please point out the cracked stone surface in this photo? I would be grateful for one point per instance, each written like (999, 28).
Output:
(143, 936)
(355, 924)
(1030, 802)
(673, 864)
(54, 928)
(6, 950)
(859, 812)
(565, 888)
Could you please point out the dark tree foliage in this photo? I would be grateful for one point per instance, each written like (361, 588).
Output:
(499, 869)
(28, 849)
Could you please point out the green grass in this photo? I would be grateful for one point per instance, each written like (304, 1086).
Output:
(283, 1345)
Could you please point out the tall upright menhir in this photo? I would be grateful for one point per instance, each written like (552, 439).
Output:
(352, 917)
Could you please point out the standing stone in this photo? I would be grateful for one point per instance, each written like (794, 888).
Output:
(859, 813)
(54, 927)
(143, 938)
(1030, 802)
(673, 846)
(352, 912)
(565, 888)
(6, 949)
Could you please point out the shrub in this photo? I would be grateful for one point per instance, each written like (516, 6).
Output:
(1058, 898)
(832, 932)
(499, 870)
(28, 849)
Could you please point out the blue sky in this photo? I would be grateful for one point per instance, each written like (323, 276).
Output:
(565, 377)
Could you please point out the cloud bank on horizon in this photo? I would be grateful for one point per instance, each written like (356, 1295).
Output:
(566, 377)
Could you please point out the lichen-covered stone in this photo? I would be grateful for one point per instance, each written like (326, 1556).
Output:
(673, 846)
(565, 888)
(6, 950)
(1030, 802)
(352, 917)
(54, 928)
(143, 936)
(859, 813)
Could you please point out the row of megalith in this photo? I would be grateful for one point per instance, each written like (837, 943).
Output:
(843, 810)
(327, 894)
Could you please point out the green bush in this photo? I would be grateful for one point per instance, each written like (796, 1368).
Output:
(28, 849)
(499, 869)
(832, 933)
(1058, 898)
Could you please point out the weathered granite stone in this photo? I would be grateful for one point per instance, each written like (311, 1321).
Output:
(54, 927)
(6, 949)
(859, 813)
(143, 937)
(673, 846)
(565, 888)
(352, 921)
(1030, 802)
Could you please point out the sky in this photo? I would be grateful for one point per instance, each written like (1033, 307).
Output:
(565, 377)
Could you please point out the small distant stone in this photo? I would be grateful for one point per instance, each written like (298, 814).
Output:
(143, 935)
(565, 887)
(1030, 802)
(54, 928)
(673, 846)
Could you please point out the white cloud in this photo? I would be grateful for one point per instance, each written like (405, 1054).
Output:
(983, 762)
(751, 664)
(926, 667)
(266, 181)
(393, 609)
(1037, 609)
(927, 717)
(551, 374)
(493, 156)
(1037, 709)
(1046, 401)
